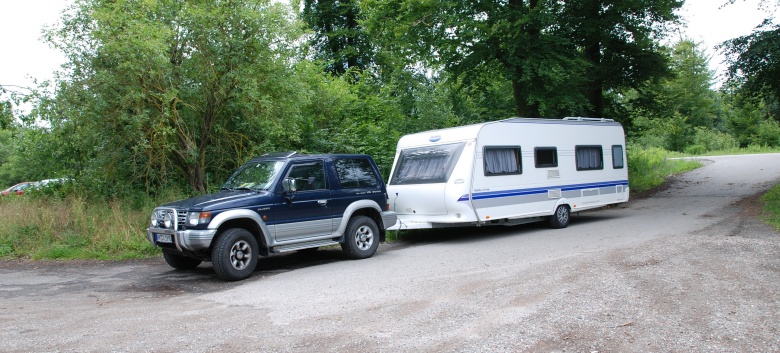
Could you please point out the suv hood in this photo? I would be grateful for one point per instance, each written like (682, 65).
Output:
(236, 198)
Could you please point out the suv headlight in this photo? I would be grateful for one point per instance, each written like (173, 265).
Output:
(168, 220)
(195, 218)
(163, 218)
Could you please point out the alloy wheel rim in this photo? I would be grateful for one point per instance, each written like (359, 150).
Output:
(364, 237)
(240, 255)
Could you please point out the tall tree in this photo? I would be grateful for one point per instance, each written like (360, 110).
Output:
(754, 62)
(518, 38)
(560, 56)
(687, 92)
(618, 38)
(339, 39)
(174, 88)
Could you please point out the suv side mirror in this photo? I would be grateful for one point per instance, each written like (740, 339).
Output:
(289, 185)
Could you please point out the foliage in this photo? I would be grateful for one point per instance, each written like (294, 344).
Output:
(618, 39)
(173, 90)
(671, 108)
(73, 227)
(516, 38)
(771, 203)
(706, 140)
(338, 40)
(649, 168)
(6, 113)
(750, 121)
(558, 56)
(754, 61)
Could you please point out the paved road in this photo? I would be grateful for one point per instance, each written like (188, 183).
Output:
(689, 268)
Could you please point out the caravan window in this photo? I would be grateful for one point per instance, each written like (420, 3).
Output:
(546, 157)
(502, 160)
(589, 157)
(617, 157)
(426, 165)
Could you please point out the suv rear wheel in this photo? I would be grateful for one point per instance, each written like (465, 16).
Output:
(235, 254)
(361, 239)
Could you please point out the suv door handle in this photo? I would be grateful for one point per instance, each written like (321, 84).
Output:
(322, 202)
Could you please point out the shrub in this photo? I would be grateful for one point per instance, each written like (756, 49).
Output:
(711, 140)
(648, 168)
(695, 149)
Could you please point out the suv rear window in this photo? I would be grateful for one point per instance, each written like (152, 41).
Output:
(356, 173)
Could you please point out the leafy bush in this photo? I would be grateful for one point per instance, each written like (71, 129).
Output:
(648, 168)
(711, 140)
(768, 133)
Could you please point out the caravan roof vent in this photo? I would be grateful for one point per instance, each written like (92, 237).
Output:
(578, 118)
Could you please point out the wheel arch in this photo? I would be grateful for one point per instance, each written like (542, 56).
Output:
(245, 219)
(562, 201)
(368, 208)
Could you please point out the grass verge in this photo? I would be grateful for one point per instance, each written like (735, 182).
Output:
(72, 228)
(771, 205)
(649, 168)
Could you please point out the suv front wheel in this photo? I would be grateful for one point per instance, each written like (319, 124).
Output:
(361, 239)
(235, 254)
(180, 262)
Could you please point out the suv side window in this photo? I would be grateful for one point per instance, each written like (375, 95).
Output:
(355, 173)
(309, 176)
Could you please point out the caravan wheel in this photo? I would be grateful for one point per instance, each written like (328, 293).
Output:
(560, 219)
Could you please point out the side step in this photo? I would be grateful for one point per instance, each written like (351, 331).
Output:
(301, 246)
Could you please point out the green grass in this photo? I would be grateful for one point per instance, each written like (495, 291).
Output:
(649, 168)
(771, 203)
(72, 228)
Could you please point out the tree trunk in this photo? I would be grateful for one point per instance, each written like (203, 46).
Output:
(595, 85)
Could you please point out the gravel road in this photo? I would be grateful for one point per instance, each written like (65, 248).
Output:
(688, 268)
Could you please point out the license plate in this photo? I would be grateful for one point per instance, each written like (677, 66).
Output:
(164, 238)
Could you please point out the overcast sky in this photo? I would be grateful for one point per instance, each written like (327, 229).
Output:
(24, 55)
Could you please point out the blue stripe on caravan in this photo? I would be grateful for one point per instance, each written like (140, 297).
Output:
(531, 191)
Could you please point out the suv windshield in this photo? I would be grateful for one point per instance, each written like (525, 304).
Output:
(254, 176)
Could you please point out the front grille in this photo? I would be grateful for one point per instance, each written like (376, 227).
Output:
(181, 218)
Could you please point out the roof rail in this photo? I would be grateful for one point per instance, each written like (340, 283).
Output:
(579, 118)
(280, 154)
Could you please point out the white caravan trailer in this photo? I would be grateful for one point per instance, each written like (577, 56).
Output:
(508, 172)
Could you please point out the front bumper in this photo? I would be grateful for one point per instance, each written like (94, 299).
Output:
(189, 240)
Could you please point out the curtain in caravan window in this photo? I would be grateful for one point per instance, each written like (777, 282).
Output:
(502, 160)
(425, 165)
(589, 157)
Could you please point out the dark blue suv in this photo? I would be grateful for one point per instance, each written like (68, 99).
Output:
(276, 203)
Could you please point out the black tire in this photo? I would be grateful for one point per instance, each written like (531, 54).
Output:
(361, 238)
(180, 262)
(235, 254)
(561, 217)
